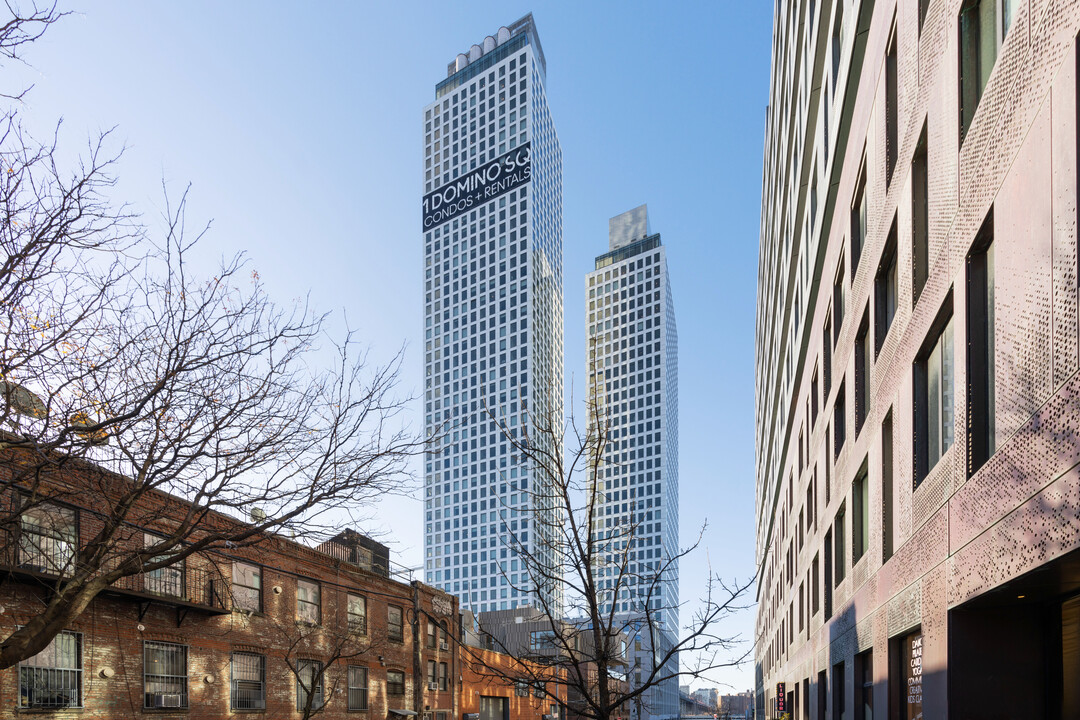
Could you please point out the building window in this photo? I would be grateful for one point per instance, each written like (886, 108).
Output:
(860, 521)
(892, 135)
(827, 580)
(934, 397)
(837, 41)
(395, 629)
(395, 682)
(838, 301)
(165, 675)
(983, 25)
(920, 218)
(48, 537)
(539, 689)
(53, 677)
(541, 640)
(443, 643)
(431, 635)
(887, 487)
(432, 684)
(521, 688)
(838, 560)
(247, 587)
(248, 681)
(864, 685)
(980, 355)
(357, 609)
(862, 373)
(885, 291)
(443, 673)
(839, 426)
(358, 688)
(168, 580)
(814, 400)
(826, 357)
(308, 605)
(858, 221)
(839, 708)
(822, 694)
(815, 586)
(309, 684)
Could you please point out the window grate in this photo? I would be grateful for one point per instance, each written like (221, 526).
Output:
(248, 681)
(53, 677)
(358, 688)
(165, 676)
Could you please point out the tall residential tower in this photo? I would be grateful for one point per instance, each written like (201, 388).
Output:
(918, 365)
(493, 318)
(633, 358)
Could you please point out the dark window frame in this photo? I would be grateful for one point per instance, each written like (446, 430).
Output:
(257, 589)
(886, 291)
(180, 680)
(357, 693)
(921, 400)
(981, 337)
(395, 630)
(920, 216)
(63, 686)
(256, 702)
(317, 674)
(306, 608)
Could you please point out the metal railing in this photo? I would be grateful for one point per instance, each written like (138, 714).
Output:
(196, 585)
(45, 687)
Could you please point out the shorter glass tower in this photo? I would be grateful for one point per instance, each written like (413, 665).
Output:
(632, 366)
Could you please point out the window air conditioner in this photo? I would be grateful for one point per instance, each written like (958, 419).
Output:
(433, 685)
(443, 645)
(167, 700)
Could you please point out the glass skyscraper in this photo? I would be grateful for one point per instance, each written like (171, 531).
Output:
(633, 358)
(493, 321)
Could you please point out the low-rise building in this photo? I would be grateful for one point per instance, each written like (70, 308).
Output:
(231, 631)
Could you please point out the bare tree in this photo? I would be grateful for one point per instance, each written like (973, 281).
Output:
(579, 597)
(317, 654)
(155, 405)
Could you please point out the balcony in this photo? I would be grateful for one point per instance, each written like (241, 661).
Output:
(185, 588)
(45, 559)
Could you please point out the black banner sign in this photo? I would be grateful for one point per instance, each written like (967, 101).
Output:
(476, 187)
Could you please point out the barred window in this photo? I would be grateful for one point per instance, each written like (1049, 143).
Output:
(395, 682)
(308, 608)
(358, 688)
(247, 587)
(53, 677)
(165, 675)
(357, 614)
(168, 580)
(309, 680)
(48, 538)
(248, 681)
(395, 630)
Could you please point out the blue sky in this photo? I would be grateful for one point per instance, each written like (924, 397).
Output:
(299, 129)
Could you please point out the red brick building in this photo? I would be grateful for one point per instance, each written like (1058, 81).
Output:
(252, 630)
(490, 693)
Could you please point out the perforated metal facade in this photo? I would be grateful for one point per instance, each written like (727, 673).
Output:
(917, 407)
